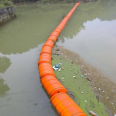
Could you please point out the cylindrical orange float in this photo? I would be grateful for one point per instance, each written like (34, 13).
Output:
(44, 58)
(53, 38)
(60, 100)
(65, 105)
(45, 69)
(52, 85)
(44, 65)
(46, 49)
(55, 34)
(49, 43)
(47, 78)
(58, 30)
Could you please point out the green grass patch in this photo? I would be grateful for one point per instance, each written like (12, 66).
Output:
(78, 86)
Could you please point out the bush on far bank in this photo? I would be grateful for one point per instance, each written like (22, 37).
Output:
(4, 3)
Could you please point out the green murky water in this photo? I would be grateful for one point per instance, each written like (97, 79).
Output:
(21, 39)
(21, 93)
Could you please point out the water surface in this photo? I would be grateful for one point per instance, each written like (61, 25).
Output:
(21, 93)
(91, 33)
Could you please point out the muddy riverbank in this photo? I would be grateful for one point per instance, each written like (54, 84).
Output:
(103, 88)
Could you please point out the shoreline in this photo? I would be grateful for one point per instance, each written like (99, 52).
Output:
(54, 2)
(103, 88)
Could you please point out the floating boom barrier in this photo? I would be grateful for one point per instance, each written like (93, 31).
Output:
(64, 105)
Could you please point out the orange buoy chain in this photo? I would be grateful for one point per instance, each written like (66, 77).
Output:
(64, 105)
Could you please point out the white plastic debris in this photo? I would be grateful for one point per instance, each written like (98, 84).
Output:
(85, 100)
(93, 113)
(60, 63)
(59, 69)
(82, 92)
(114, 114)
(74, 76)
(54, 68)
(107, 97)
(62, 78)
(99, 89)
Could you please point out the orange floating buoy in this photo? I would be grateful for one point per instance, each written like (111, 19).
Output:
(65, 105)
(60, 27)
(52, 85)
(58, 30)
(55, 88)
(46, 49)
(60, 100)
(44, 66)
(47, 78)
(53, 38)
(54, 34)
(45, 69)
(44, 58)
(49, 43)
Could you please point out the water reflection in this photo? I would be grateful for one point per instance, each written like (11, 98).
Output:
(32, 26)
(104, 10)
(26, 96)
(91, 33)
(4, 64)
(21, 42)
(3, 87)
